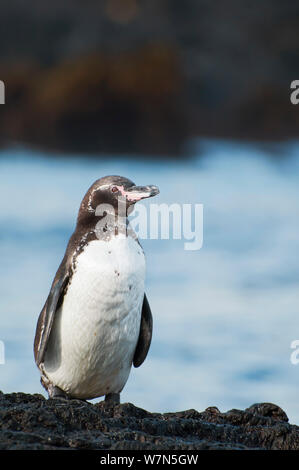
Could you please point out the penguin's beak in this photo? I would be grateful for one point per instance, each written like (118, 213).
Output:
(136, 193)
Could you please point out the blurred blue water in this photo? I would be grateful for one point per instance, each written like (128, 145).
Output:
(224, 316)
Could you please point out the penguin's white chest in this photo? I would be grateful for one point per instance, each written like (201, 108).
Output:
(96, 330)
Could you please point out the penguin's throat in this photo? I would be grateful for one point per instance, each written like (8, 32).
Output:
(110, 227)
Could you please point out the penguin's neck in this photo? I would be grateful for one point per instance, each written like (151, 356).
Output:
(105, 227)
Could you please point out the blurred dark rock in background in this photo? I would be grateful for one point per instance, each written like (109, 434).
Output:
(129, 76)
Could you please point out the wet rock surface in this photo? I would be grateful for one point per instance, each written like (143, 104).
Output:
(33, 422)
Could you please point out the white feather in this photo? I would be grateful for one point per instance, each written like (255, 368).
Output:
(96, 330)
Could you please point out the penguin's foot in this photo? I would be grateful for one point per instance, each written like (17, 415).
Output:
(112, 398)
(56, 392)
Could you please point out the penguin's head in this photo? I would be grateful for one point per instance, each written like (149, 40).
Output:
(114, 191)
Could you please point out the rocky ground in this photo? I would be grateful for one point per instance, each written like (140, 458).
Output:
(33, 422)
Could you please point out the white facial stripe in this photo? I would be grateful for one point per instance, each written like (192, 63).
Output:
(104, 186)
(97, 188)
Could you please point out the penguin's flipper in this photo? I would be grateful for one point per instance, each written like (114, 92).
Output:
(46, 317)
(145, 334)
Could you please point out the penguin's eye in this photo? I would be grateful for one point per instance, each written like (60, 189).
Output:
(114, 189)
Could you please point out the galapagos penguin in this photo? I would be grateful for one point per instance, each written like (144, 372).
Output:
(97, 321)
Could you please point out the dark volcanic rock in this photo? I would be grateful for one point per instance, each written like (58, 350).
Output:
(32, 422)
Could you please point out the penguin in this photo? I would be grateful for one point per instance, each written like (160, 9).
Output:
(97, 322)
